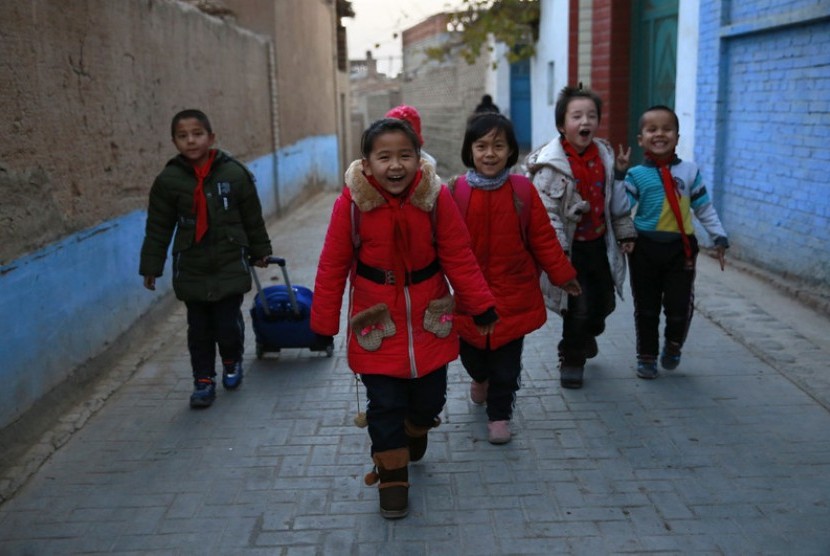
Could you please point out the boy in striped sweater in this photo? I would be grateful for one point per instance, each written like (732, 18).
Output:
(665, 191)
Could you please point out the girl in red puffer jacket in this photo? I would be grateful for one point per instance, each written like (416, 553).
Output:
(513, 240)
(396, 234)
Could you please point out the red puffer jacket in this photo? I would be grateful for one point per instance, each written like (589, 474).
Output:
(510, 268)
(408, 350)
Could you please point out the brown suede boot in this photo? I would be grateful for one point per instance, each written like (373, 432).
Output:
(392, 471)
(417, 436)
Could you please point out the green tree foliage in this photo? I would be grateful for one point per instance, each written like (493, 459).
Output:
(514, 23)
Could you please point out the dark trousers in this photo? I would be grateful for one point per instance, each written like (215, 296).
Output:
(660, 278)
(391, 400)
(585, 317)
(502, 367)
(212, 323)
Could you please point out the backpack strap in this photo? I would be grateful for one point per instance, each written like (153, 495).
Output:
(355, 226)
(522, 190)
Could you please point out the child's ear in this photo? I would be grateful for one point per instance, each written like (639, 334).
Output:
(211, 138)
(640, 139)
(366, 168)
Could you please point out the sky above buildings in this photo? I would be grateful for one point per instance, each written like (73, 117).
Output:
(378, 24)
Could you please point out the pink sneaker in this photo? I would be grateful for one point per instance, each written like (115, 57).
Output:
(499, 432)
(478, 391)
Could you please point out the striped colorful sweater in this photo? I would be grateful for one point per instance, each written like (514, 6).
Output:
(654, 217)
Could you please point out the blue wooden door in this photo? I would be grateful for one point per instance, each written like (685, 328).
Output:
(520, 102)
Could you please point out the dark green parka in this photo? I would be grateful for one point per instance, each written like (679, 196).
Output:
(217, 266)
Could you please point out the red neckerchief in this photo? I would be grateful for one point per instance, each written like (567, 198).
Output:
(199, 199)
(589, 174)
(400, 229)
(672, 196)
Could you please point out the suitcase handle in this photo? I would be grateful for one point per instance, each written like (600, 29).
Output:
(291, 295)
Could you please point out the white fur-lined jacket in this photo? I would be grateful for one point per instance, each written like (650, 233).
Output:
(550, 171)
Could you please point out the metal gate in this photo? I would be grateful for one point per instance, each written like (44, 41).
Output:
(653, 61)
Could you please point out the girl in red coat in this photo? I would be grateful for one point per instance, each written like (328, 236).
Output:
(397, 236)
(513, 240)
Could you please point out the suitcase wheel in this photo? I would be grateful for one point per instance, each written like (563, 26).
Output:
(329, 351)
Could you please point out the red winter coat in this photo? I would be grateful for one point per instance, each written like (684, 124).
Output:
(510, 268)
(411, 351)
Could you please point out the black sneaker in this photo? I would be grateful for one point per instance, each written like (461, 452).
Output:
(232, 375)
(571, 377)
(670, 358)
(204, 392)
(647, 370)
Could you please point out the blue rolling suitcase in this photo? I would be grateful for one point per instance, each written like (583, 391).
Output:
(280, 316)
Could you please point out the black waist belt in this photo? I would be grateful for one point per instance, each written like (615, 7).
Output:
(380, 276)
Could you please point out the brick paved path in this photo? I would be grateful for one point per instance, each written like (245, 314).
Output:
(730, 454)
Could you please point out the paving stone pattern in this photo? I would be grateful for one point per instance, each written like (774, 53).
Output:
(729, 454)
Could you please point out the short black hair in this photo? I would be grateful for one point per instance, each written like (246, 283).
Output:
(479, 125)
(190, 113)
(567, 94)
(386, 125)
(658, 108)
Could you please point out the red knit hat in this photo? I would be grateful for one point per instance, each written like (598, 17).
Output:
(409, 114)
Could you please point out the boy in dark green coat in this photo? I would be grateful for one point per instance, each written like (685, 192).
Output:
(210, 201)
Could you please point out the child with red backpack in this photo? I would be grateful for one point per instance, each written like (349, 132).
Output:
(513, 240)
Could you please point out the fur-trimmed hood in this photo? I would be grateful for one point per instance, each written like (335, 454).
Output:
(366, 197)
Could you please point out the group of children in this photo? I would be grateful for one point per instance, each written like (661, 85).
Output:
(439, 271)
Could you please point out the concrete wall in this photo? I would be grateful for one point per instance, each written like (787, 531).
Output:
(445, 94)
(306, 78)
(87, 91)
(86, 103)
(549, 69)
(688, 32)
(763, 124)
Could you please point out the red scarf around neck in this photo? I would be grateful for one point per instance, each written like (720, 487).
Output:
(672, 196)
(199, 199)
(589, 174)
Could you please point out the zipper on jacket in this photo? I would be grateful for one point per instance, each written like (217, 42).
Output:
(410, 341)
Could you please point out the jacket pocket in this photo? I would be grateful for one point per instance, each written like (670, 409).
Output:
(184, 239)
(438, 316)
(371, 326)
(236, 235)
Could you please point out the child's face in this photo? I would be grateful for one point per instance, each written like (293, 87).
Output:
(581, 122)
(658, 134)
(192, 140)
(393, 161)
(490, 153)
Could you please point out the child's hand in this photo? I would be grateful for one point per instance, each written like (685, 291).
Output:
(262, 263)
(572, 287)
(627, 247)
(721, 254)
(150, 282)
(623, 159)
